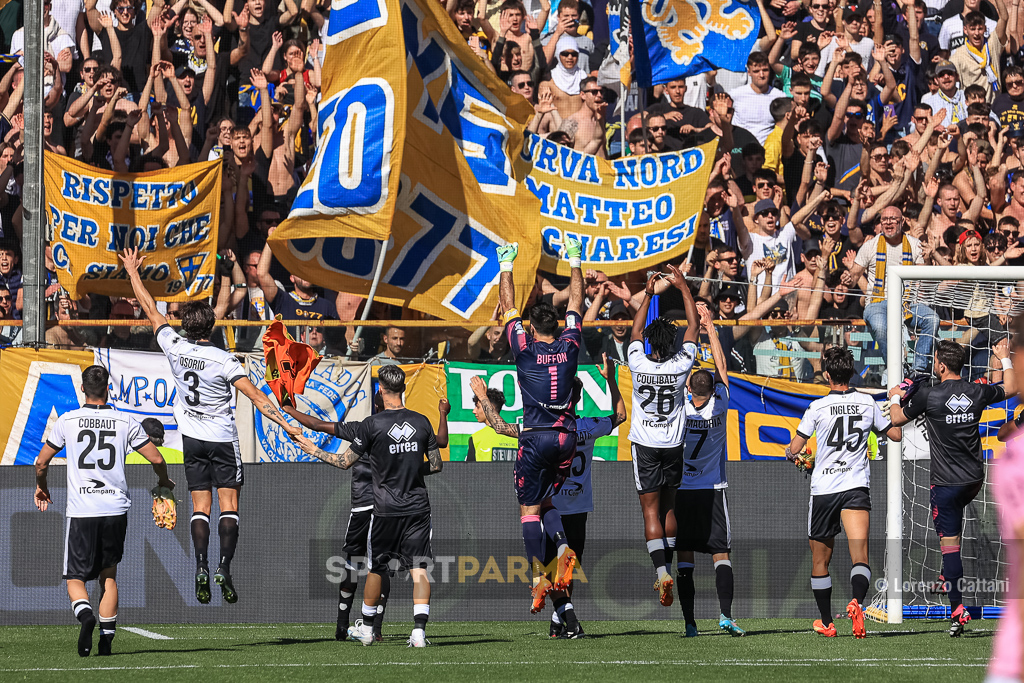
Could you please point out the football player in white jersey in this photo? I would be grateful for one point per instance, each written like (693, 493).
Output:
(701, 504)
(658, 422)
(575, 498)
(840, 481)
(96, 439)
(204, 376)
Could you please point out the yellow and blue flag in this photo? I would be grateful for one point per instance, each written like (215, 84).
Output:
(679, 38)
(418, 154)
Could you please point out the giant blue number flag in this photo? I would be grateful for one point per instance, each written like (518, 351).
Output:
(418, 154)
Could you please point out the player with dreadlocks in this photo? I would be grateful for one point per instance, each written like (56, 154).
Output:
(659, 422)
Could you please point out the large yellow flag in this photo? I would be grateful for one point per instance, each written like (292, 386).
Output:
(419, 153)
(170, 215)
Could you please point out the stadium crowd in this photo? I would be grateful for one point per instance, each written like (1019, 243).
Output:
(860, 136)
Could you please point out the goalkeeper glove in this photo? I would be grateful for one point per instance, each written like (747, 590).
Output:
(574, 252)
(165, 511)
(507, 255)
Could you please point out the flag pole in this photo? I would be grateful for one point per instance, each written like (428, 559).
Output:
(371, 295)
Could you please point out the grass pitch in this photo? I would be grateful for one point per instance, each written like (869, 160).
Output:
(774, 649)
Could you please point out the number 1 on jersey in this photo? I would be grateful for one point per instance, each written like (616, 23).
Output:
(553, 371)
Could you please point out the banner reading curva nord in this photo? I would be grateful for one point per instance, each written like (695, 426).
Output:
(629, 213)
(171, 216)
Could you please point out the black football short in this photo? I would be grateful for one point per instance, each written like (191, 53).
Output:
(355, 534)
(399, 543)
(657, 468)
(575, 527)
(948, 503)
(824, 512)
(93, 544)
(211, 464)
(702, 521)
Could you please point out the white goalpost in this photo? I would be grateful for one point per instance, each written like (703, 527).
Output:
(991, 296)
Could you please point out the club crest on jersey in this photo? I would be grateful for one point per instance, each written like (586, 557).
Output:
(190, 266)
(402, 432)
(959, 403)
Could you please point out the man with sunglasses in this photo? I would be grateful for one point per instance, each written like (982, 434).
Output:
(1009, 104)
(684, 124)
(135, 38)
(587, 124)
(808, 31)
(950, 96)
(844, 144)
(522, 83)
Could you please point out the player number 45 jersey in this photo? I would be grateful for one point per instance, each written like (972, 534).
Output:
(842, 422)
(96, 440)
(658, 409)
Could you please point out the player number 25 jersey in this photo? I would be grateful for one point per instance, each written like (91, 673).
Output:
(706, 435)
(657, 415)
(842, 422)
(96, 440)
(203, 377)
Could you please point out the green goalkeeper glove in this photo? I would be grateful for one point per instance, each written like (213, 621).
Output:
(573, 251)
(506, 256)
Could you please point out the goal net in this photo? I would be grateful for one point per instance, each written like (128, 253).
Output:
(974, 307)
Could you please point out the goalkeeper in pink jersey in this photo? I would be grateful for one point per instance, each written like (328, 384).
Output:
(1008, 487)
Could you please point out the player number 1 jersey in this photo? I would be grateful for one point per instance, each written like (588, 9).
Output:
(96, 440)
(842, 422)
(659, 389)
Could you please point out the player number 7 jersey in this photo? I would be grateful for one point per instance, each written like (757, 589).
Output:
(842, 422)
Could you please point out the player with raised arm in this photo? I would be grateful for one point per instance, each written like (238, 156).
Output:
(701, 507)
(546, 364)
(203, 377)
(575, 499)
(361, 513)
(396, 442)
(96, 439)
(658, 422)
(840, 483)
(952, 410)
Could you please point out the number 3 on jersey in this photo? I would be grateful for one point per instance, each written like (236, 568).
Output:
(193, 388)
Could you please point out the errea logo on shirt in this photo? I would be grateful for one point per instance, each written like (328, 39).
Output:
(402, 432)
(402, 435)
(959, 403)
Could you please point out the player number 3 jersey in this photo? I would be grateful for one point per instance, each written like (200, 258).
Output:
(842, 422)
(203, 377)
(96, 440)
(658, 418)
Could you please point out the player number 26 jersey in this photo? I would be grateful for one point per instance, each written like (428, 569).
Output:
(658, 395)
(706, 436)
(96, 440)
(842, 422)
(203, 378)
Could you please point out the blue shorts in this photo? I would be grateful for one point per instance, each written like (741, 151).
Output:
(948, 503)
(542, 464)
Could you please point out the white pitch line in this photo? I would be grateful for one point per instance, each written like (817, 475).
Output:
(804, 662)
(145, 633)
